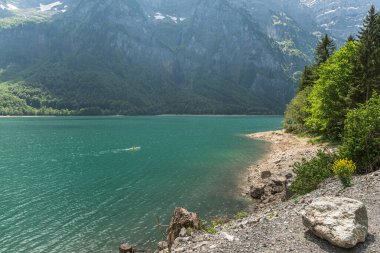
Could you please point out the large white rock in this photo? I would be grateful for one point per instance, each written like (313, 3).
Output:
(341, 221)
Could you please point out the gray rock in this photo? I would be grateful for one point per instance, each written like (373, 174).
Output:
(278, 185)
(257, 191)
(287, 193)
(181, 219)
(289, 176)
(341, 221)
(183, 232)
(162, 245)
(277, 189)
(266, 174)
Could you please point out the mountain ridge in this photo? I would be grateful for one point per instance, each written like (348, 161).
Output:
(158, 57)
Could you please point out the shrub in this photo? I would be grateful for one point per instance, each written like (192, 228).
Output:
(296, 114)
(361, 139)
(344, 169)
(309, 174)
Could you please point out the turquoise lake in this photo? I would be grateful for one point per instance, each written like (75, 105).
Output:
(73, 184)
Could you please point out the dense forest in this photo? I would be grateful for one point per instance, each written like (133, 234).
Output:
(338, 100)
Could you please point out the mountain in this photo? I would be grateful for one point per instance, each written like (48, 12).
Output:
(339, 17)
(156, 56)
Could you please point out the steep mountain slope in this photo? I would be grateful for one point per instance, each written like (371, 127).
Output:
(339, 17)
(156, 56)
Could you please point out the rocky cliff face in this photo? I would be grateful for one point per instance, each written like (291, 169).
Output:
(159, 56)
(339, 17)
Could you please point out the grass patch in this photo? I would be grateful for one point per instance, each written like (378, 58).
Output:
(241, 215)
(211, 226)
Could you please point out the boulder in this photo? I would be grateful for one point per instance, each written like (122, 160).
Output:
(278, 185)
(289, 176)
(266, 174)
(183, 232)
(341, 221)
(181, 219)
(277, 189)
(126, 248)
(161, 246)
(257, 191)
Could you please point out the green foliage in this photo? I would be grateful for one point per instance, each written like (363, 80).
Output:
(189, 230)
(361, 141)
(296, 112)
(288, 47)
(309, 174)
(21, 20)
(20, 99)
(308, 78)
(330, 97)
(369, 56)
(324, 50)
(339, 82)
(241, 215)
(211, 227)
(350, 38)
(207, 227)
(344, 169)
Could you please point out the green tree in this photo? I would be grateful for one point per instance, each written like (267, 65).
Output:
(330, 97)
(296, 112)
(361, 141)
(369, 68)
(307, 78)
(350, 38)
(324, 50)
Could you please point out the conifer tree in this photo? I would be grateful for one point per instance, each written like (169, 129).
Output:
(369, 38)
(308, 78)
(324, 50)
(350, 38)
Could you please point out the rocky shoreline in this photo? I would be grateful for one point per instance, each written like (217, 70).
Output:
(275, 224)
(267, 180)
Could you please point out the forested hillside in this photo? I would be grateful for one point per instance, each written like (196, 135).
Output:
(154, 57)
(338, 96)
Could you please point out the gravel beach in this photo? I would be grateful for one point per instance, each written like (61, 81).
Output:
(276, 226)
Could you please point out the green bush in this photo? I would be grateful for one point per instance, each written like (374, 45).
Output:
(309, 174)
(296, 114)
(361, 139)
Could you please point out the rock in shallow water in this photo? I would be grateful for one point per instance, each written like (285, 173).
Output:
(341, 221)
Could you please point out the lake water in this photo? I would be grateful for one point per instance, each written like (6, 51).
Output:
(73, 184)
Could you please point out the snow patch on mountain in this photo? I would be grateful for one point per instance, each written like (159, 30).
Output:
(9, 7)
(160, 16)
(49, 7)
